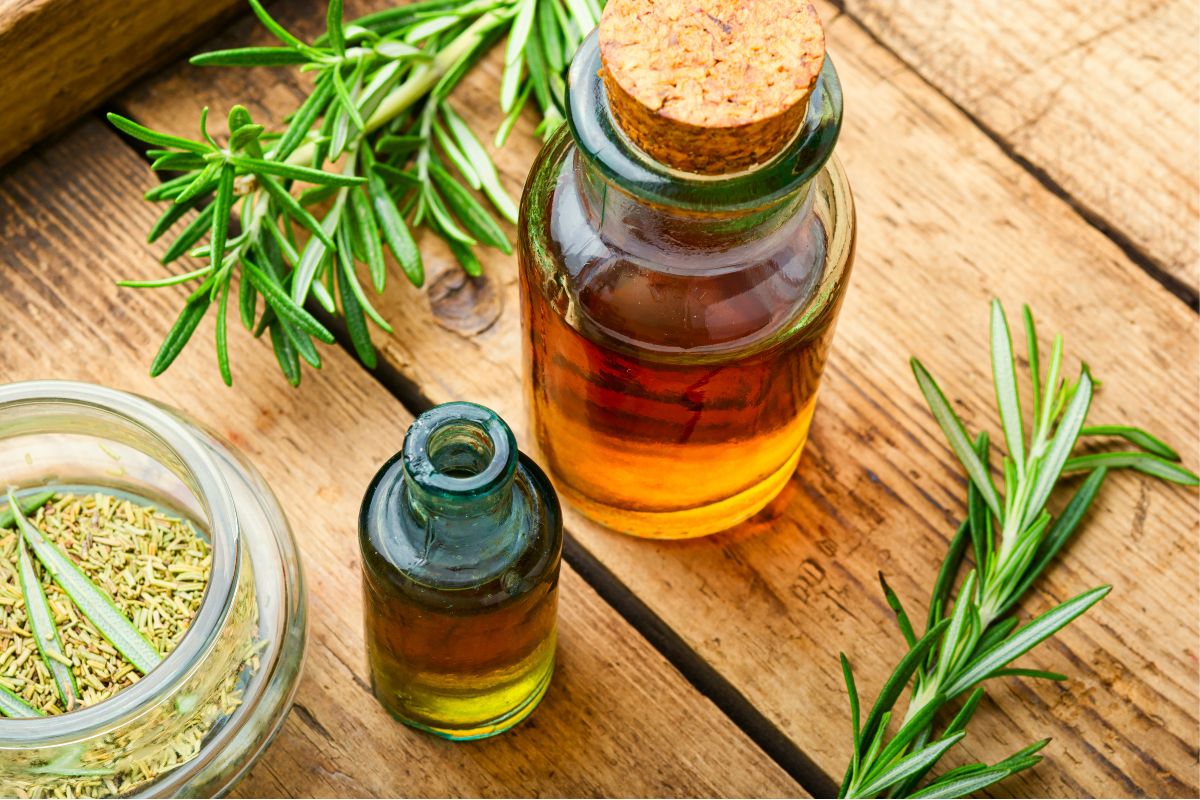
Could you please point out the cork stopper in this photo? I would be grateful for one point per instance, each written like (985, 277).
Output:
(710, 86)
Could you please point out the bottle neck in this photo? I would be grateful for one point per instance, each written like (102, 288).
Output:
(641, 227)
(460, 460)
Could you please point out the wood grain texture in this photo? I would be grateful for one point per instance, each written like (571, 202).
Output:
(1102, 96)
(947, 221)
(618, 720)
(61, 57)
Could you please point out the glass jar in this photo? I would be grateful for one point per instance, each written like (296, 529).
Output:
(461, 537)
(195, 723)
(676, 325)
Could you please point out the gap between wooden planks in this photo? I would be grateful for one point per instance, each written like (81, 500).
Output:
(947, 220)
(618, 720)
(1101, 96)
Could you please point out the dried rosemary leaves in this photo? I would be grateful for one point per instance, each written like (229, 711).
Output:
(152, 565)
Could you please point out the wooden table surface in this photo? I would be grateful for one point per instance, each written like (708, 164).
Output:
(1043, 153)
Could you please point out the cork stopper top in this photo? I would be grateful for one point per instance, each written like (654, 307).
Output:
(710, 86)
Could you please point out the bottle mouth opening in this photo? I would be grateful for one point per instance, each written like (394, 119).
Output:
(606, 146)
(48, 409)
(460, 450)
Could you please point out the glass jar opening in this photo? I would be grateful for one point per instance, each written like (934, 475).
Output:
(65, 434)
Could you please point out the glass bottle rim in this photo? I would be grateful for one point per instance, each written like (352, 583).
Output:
(420, 456)
(613, 153)
(214, 498)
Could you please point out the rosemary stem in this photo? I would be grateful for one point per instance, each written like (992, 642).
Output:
(418, 84)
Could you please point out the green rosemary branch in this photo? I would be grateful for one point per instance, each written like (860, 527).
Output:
(975, 636)
(379, 148)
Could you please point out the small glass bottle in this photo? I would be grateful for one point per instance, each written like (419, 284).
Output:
(680, 283)
(461, 539)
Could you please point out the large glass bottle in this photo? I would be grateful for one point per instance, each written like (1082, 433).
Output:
(461, 539)
(676, 324)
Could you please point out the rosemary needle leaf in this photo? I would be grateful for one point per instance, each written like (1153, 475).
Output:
(1020, 672)
(179, 335)
(441, 217)
(482, 162)
(1004, 372)
(463, 254)
(15, 707)
(274, 27)
(1142, 462)
(395, 232)
(172, 161)
(285, 354)
(348, 102)
(148, 136)
(964, 785)
(304, 118)
(1061, 445)
(45, 632)
(977, 513)
(222, 207)
(396, 177)
(510, 119)
(916, 762)
(247, 303)
(450, 148)
(356, 323)
(474, 217)
(946, 574)
(366, 231)
(399, 145)
(953, 428)
(1022, 640)
(204, 182)
(346, 262)
(1135, 436)
(222, 334)
(29, 504)
(284, 306)
(95, 604)
(335, 35)
(250, 57)
(190, 235)
(173, 214)
(291, 206)
(852, 692)
(897, 607)
(294, 172)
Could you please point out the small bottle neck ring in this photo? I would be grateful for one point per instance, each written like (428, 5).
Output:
(459, 463)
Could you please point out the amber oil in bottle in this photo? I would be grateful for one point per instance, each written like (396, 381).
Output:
(677, 324)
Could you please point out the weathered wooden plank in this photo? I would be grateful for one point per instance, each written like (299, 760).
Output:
(1101, 96)
(618, 720)
(947, 221)
(61, 57)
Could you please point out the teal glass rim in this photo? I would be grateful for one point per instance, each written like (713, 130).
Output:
(605, 145)
(486, 435)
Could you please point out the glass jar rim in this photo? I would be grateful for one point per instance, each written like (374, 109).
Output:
(601, 140)
(216, 500)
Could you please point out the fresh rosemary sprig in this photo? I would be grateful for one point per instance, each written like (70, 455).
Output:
(381, 150)
(1013, 538)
